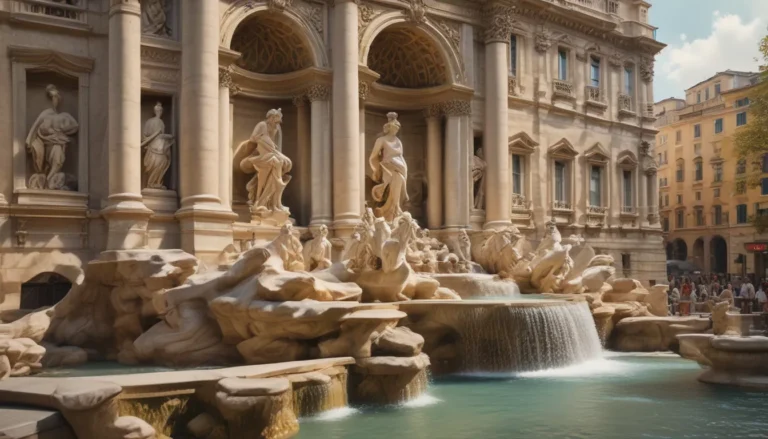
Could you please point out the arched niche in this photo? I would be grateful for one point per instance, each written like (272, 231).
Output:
(45, 289)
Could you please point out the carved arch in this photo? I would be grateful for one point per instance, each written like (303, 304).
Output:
(241, 10)
(59, 62)
(67, 265)
(450, 54)
(627, 160)
(597, 154)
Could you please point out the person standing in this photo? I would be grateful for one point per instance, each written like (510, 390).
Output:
(762, 299)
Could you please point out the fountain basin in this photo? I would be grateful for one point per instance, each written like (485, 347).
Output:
(472, 285)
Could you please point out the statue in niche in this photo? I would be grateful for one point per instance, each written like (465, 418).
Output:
(263, 156)
(47, 142)
(389, 170)
(157, 159)
(154, 18)
(478, 178)
(317, 252)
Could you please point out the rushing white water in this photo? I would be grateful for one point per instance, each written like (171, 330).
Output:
(528, 338)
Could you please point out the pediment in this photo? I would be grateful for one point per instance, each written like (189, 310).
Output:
(563, 149)
(522, 143)
(627, 160)
(61, 62)
(597, 154)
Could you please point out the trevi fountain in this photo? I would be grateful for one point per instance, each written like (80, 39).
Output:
(358, 262)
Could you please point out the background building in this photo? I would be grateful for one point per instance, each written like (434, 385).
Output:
(705, 201)
(558, 94)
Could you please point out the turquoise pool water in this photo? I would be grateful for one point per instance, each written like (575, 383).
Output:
(622, 397)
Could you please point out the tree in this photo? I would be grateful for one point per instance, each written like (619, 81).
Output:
(751, 141)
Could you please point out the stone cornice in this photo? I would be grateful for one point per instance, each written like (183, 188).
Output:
(62, 62)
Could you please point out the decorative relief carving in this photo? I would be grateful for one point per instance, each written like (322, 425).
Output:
(313, 14)
(160, 56)
(279, 5)
(542, 41)
(299, 100)
(161, 75)
(365, 14)
(616, 60)
(363, 88)
(319, 92)
(433, 111)
(451, 31)
(457, 108)
(416, 12)
(21, 232)
(270, 46)
(154, 17)
(499, 21)
(646, 67)
(512, 85)
(226, 81)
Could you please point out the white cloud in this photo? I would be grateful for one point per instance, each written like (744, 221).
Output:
(731, 45)
(683, 37)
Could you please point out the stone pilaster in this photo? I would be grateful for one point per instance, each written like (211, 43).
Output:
(457, 192)
(433, 116)
(321, 168)
(499, 20)
(346, 119)
(227, 88)
(206, 225)
(126, 215)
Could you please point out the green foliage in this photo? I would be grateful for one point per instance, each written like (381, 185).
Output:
(760, 223)
(751, 141)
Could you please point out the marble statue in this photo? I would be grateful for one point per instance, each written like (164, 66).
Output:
(154, 18)
(288, 247)
(478, 178)
(47, 143)
(262, 154)
(317, 252)
(157, 159)
(389, 170)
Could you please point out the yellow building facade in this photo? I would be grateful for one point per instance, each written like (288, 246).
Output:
(705, 201)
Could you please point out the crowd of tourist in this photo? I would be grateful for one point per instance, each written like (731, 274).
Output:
(687, 292)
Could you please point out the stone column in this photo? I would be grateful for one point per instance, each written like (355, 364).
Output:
(226, 89)
(363, 89)
(206, 225)
(321, 168)
(457, 186)
(303, 159)
(346, 119)
(126, 215)
(499, 23)
(642, 198)
(434, 169)
(653, 203)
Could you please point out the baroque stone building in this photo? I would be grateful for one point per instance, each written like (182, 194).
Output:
(123, 120)
(706, 199)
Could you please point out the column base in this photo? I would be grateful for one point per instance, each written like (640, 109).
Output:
(206, 226)
(127, 221)
(497, 225)
(344, 226)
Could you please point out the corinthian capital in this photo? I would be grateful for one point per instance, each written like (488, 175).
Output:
(498, 20)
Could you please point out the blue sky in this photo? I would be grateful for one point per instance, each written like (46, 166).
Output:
(705, 37)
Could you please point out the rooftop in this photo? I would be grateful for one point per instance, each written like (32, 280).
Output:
(728, 72)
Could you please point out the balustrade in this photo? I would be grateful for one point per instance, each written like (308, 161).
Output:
(73, 10)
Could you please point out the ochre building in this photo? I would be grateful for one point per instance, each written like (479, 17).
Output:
(706, 199)
(122, 121)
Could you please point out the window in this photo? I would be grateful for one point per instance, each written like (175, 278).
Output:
(678, 137)
(595, 183)
(513, 55)
(699, 216)
(765, 163)
(665, 224)
(718, 172)
(660, 162)
(560, 182)
(697, 131)
(741, 166)
(594, 71)
(680, 219)
(742, 103)
(717, 192)
(764, 186)
(706, 94)
(626, 263)
(698, 97)
(562, 65)
(666, 200)
(741, 119)
(665, 157)
(679, 198)
(698, 196)
(517, 174)
(741, 187)
(717, 89)
(718, 216)
(718, 126)
(741, 214)
(697, 148)
(680, 171)
(628, 189)
(629, 79)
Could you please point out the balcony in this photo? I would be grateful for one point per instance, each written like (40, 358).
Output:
(647, 113)
(562, 90)
(596, 216)
(629, 210)
(626, 107)
(697, 109)
(562, 212)
(64, 11)
(594, 97)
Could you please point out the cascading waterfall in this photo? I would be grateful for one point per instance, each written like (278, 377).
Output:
(527, 338)
(313, 397)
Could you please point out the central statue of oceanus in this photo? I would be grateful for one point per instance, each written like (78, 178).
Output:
(262, 155)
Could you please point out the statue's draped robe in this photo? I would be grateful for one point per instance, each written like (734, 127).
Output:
(47, 141)
(158, 158)
(271, 166)
(391, 171)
